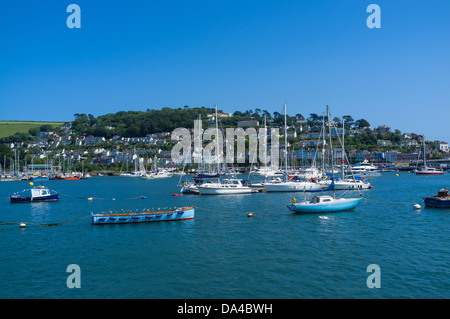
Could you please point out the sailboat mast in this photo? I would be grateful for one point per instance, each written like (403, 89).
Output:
(424, 154)
(285, 139)
(217, 143)
(331, 149)
(343, 149)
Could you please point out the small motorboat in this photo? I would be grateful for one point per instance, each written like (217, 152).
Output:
(441, 200)
(34, 195)
(181, 213)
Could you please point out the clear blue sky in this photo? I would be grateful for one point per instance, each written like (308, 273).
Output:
(134, 55)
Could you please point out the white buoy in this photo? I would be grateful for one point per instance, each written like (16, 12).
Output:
(416, 206)
(250, 215)
(22, 225)
(90, 198)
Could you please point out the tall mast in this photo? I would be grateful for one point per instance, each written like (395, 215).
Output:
(343, 149)
(424, 154)
(285, 139)
(217, 143)
(331, 149)
(323, 144)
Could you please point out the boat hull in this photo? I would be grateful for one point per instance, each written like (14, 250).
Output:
(28, 199)
(350, 185)
(223, 190)
(367, 173)
(183, 213)
(294, 187)
(189, 189)
(429, 173)
(437, 202)
(336, 206)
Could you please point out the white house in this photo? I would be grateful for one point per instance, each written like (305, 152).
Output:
(442, 146)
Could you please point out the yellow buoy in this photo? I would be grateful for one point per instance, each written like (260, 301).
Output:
(293, 200)
(30, 183)
(396, 174)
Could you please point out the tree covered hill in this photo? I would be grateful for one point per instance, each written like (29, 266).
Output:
(137, 123)
(141, 123)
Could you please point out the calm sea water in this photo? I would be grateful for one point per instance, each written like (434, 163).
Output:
(222, 253)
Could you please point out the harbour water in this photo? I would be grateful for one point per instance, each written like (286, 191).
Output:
(223, 253)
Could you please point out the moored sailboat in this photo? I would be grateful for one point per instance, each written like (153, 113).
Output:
(425, 170)
(325, 204)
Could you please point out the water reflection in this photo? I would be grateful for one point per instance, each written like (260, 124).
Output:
(40, 212)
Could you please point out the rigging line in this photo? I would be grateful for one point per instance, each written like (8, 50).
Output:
(228, 212)
(389, 202)
(44, 224)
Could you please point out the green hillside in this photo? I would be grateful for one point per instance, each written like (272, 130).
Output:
(8, 128)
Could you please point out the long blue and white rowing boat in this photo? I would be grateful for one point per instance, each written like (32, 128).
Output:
(181, 213)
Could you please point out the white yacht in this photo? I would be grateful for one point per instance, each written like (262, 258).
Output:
(278, 185)
(348, 183)
(224, 187)
(365, 169)
(267, 171)
(160, 174)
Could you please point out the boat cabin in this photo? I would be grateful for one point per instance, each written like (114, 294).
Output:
(39, 191)
(321, 199)
(443, 193)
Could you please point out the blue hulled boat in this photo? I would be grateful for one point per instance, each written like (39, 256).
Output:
(34, 195)
(441, 200)
(181, 213)
(325, 204)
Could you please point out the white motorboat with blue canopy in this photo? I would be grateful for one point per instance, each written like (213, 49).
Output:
(34, 195)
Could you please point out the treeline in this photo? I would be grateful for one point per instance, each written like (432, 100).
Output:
(141, 123)
(137, 123)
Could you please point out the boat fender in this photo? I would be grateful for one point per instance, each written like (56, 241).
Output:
(185, 184)
(293, 200)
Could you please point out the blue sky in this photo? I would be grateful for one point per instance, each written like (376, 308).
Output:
(134, 55)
